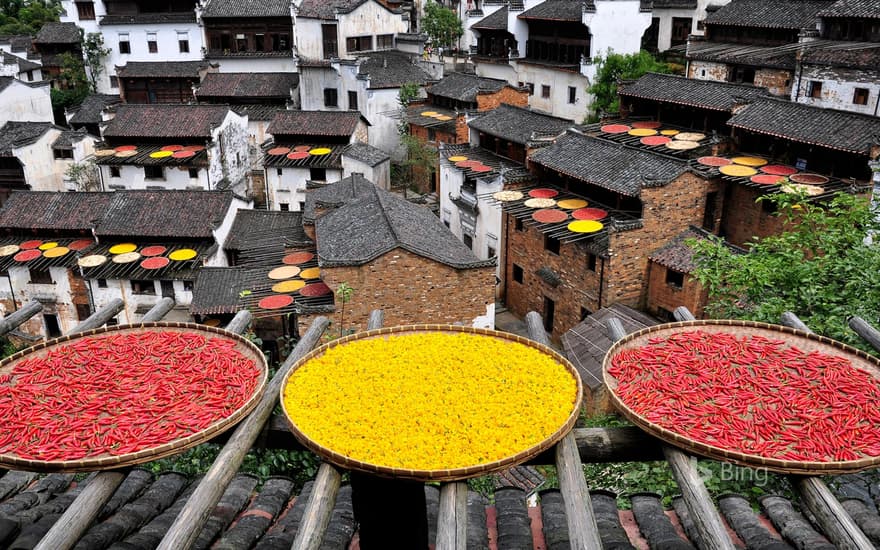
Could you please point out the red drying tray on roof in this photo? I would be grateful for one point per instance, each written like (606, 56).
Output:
(155, 250)
(298, 155)
(714, 161)
(766, 179)
(301, 148)
(810, 179)
(27, 255)
(481, 168)
(275, 302)
(27, 245)
(550, 215)
(647, 124)
(278, 151)
(123, 148)
(468, 163)
(172, 148)
(615, 128)
(183, 154)
(655, 140)
(316, 289)
(80, 244)
(778, 169)
(157, 262)
(543, 193)
(594, 214)
(194, 148)
(296, 258)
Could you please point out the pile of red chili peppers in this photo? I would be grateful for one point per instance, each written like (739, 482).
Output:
(753, 395)
(120, 393)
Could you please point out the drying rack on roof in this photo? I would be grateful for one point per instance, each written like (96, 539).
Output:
(705, 144)
(511, 171)
(132, 269)
(41, 261)
(300, 155)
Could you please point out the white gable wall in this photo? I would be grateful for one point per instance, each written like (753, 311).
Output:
(22, 103)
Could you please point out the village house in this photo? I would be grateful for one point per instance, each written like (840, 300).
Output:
(24, 102)
(76, 252)
(89, 114)
(160, 81)
(175, 147)
(317, 146)
(673, 21)
(20, 68)
(138, 30)
(250, 35)
(53, 40)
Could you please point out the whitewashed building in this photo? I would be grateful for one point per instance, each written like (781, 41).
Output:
(673, 21)
(22, 102)
(249, 35)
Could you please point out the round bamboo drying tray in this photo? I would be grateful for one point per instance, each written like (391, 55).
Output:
(804, 341)
(438, 474)
(106, 461)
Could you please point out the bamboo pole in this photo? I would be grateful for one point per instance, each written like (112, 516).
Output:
(186, 528)
(16, 318)
(707, 520)
(582, 529)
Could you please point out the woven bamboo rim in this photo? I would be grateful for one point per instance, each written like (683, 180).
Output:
(107, 462)
(451, 474)
(803, 340)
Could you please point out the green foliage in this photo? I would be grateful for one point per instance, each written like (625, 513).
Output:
(27, 17)
(408, 92)
(344, 293)
(441, 24)
(84, 176)
(821, 267)
(73, 86)
(604, 421)
(485, 485)
(614, 67)
(7, 348)
(94, 53)
(419, 162)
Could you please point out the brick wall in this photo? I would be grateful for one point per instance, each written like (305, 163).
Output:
(410, 289)
(745, 219)
(422, 133)
(777, 81)
(666, 296)
(511, 96)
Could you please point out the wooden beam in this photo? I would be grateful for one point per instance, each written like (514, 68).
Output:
(707, 520)
(16, 318)
(240, 322)
(158, 311)
(583, 532)
(186, 528)
(452, 517)
(830, 515)
(865, 330)
(100, 317)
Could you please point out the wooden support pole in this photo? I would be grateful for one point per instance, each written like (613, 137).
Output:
(707, 520)
(865, 330)
(158, 311)
(186, 528)
(682, 313)
(240, 322)
(88, 504)
(830, 515)
(583, 532)
(452, 517)
(100, 317)
(16, 318)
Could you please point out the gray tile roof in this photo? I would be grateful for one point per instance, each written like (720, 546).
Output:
(58, 33)
(494, 21)
(5, 81)
(742, 54)
(19, 134)
(67, 138)
(258, 111)
(609, 165)
(392, 69)
(247, 8)
(678, 256)
(370, 222)
(840, 130)
(366, 153)
(168, 121)
(705, 94)
(314, 123)
(266, 228)
(556, 10)
(517, 124)
(674, 4)
(248, 85)
(18, 42)
(853, 8)
(465, 87)
(782, 14)
(44, 210)
(856, 56)
(324, 9)
(161, 69)
(23, 64)
(89, 111)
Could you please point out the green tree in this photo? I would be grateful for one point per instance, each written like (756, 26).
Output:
(441, 25)
(408, 92)
(73, 86)
(824, 267)
(27, 17)
(84, 176)
(614, 67)
(94, 54)
(344, 293)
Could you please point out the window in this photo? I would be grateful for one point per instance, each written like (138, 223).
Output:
(681, 29)
(30, 76)
(491, 252)
(124, 43)
(814, 88)
(152, 43)
(572, 94)
(40, 276)
(675, 279)
(112, 322)
(114, 172)
(62, 153)
(549, 313)
(260, 42)
(468, 241)
(284, 207)
(193, 173)
(83, 312)
(384, 41)
(114, 82)
(860, 96)
(102, 283)
(154, 173)
(240, 43)
(188, 286)
(551, 245)
(446, 223)
(432, 134)
(709, 211)
(328, 36)
(359, 43)
(352, 101)
(143, 287)
(591, 262)
(585, 313)
(518, 225)
(302, 206)
(531, 87)
(85, 11)
(279, 171)
(331, 97)
(183, 42)
(545, 91)
(318, 174)
(53, 329)
(517, 273)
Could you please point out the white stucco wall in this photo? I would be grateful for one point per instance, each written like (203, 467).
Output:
(230, 155)
(664, 41)
(221, 232)
(53, 294)
(838, 88)
(559, 81)
(290, 187)
(488, 227)
(308, 41)
(22, 103)
(41, 171)
(121, 289)
(82, 150)
(132, 177)
(379, 174)
(369, 19)
(617, 25)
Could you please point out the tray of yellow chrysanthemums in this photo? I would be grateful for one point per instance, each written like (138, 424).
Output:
(431, 402)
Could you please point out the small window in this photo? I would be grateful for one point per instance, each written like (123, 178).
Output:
(446, 223)
(591, 262)
(860, 96)
(572, 94)
(545, 91)
(549, 313)
(85, 11)
(62, 153)
(188, 286)
(384, 41)
(240, 43)
(83, 312)
(331, 98)
(114, 172)
(585, 313)
(352, 101)
(674, 279)
(318, 174)
(114, 82)
(143, 287)
(518, 225)
(30, 76)
(40, 276)
(468, 241)
(702, 72)
(124, 44)
(432, 134)
(193, 173)
(491, 252)
(517, 273)
(112, 322)
(102, 283)
(531, 87)
(359, 43)
(302, 206)
(551, 245)
(152, 43)
(284, 207)
(183, 42)
(259, 42)
(53, 329)
(815, 89)
(279, 171)
(154, 173)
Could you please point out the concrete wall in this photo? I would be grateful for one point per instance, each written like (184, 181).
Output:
(118, 288)
(132, 177)
(559, 81)
(22, 103)
(838, 88)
